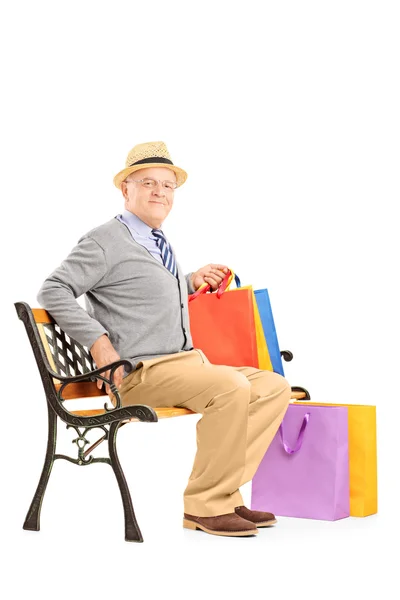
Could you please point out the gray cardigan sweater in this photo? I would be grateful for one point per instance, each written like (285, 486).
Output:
(129, 295)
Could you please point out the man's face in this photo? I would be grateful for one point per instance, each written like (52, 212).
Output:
(151, 205)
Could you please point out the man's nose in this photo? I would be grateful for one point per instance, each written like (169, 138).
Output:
(159, 189)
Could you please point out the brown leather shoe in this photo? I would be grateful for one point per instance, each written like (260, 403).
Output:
(229, 524)
(260, 518)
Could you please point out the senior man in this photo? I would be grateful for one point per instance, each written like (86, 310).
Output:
(136, 298)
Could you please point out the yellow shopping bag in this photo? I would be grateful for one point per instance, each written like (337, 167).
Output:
(362, 457)
(264, 360)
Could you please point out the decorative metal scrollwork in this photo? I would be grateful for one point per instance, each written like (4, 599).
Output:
(112, 385)
(81, 441)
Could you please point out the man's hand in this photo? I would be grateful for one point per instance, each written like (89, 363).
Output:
(212, 274)
(104, 353)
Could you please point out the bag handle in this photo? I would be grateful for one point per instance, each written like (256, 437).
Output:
(300, 437)
(225, 283)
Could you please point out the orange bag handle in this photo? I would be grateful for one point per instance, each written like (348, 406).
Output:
(225, 284)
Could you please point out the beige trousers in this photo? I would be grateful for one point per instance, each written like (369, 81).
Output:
(242, 409)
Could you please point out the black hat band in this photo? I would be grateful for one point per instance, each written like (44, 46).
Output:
(153, 159)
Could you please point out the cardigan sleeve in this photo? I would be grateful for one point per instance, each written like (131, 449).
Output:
(81, 271)
(190, 287)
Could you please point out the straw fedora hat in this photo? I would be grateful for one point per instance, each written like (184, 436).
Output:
(149, 154)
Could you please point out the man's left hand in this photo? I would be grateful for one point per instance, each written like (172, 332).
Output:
(212, 274)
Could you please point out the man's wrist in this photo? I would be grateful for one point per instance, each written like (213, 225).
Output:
(101, 341)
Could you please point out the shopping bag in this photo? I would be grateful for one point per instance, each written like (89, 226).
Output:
(305, 471)
(227, 327)
(268, 324)
(363, 468)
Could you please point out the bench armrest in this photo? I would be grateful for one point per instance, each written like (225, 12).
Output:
(93, 376)
(117, 413)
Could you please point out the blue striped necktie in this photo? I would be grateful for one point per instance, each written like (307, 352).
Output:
(167, 254)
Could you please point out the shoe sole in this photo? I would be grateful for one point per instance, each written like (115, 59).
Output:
(266, 523)
(194, 525)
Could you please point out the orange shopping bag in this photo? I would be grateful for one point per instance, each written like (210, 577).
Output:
(227, 327)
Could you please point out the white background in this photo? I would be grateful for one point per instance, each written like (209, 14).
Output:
(286, 117)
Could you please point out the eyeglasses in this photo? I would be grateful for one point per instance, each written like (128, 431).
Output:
(151, 183)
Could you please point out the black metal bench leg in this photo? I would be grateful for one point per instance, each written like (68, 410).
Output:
(32, 520)
(132, 531)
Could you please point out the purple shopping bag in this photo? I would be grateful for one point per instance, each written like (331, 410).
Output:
(305, 471)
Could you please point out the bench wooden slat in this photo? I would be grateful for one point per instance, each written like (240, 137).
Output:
(298, 395)
(163, 412)
(41, 316)
(83, 389)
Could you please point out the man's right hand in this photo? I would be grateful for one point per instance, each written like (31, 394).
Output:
(104, 353)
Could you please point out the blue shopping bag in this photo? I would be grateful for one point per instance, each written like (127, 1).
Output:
(265, 310)
(267, 320)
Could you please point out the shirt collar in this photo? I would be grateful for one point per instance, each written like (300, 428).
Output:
(136, 224)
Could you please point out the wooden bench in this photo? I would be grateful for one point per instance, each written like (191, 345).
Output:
(68, 372)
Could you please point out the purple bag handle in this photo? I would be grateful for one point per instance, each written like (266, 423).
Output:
(299, 439)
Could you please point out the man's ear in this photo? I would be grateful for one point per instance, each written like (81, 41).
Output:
(124, 191)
